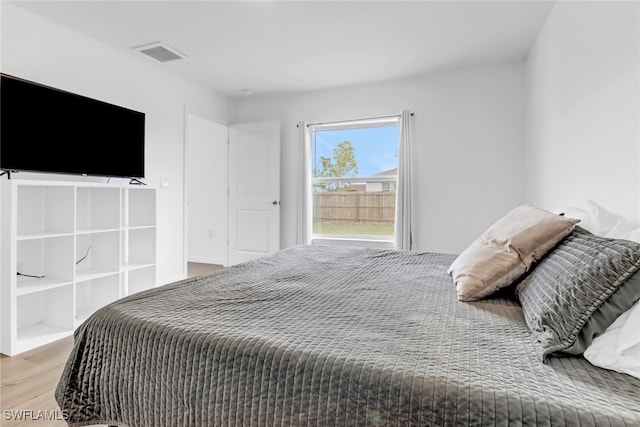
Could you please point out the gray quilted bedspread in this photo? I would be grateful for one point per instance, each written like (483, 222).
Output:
(324, 336)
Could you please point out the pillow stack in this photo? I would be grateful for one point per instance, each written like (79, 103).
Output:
(572, 284)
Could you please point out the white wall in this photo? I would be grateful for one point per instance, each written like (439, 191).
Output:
(583, 108)
(468, 132)
(40, 50)
(206, 147)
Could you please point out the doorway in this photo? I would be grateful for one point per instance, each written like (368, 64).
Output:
(232, 179)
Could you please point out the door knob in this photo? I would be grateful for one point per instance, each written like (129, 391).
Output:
(275, 202)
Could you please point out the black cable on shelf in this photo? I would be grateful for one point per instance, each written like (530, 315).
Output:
(85, 256)
(29, 275)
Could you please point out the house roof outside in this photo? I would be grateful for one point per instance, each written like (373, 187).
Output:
(363, 187)
(390, 172)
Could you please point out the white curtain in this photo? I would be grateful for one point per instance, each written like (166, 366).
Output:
(305, 201)
(404, 220)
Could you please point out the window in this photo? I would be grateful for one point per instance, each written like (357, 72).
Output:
(353, 174)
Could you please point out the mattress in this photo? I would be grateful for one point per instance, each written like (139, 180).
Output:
(322, 335)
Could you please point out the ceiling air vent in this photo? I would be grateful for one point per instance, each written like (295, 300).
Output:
(160, 52)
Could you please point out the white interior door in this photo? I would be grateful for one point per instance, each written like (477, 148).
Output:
(254, 190)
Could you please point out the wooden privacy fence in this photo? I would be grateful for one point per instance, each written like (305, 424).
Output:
(352, 206)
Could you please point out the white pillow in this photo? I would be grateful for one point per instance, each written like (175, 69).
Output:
(603, 222)
(618, 348)
(574, 212)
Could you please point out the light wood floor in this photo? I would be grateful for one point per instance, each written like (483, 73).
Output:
(198, 269)
(28, 380)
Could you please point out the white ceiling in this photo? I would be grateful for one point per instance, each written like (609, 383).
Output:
(274, 47)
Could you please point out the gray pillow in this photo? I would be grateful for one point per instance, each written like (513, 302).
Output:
(580, 288)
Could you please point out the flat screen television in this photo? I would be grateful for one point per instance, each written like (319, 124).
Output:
(43, 129)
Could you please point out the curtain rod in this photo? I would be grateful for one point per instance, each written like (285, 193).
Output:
(356, 120)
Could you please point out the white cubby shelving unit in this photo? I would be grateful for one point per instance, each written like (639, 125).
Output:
(67, 250)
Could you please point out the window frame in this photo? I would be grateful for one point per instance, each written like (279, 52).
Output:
(378, 241)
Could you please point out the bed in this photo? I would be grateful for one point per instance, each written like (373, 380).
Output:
(322, 335)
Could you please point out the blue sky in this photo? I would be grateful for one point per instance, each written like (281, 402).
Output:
(375, 148)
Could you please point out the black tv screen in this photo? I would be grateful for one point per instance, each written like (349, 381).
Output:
(43, 129)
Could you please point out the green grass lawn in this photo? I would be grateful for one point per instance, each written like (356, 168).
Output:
(352, 228)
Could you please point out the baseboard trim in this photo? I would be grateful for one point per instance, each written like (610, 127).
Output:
(205, 260)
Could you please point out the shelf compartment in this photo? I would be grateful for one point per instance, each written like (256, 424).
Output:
(130, 266)
(97, 255)
(27, 285)
(143, 227)
(98, 209)
(49, 257)
(141, 246)
(91, 274)
(141, 279)
(94, 294)
(44, 317)
(44, 210)
(106, 230)
(141, 207)
(32, 236)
